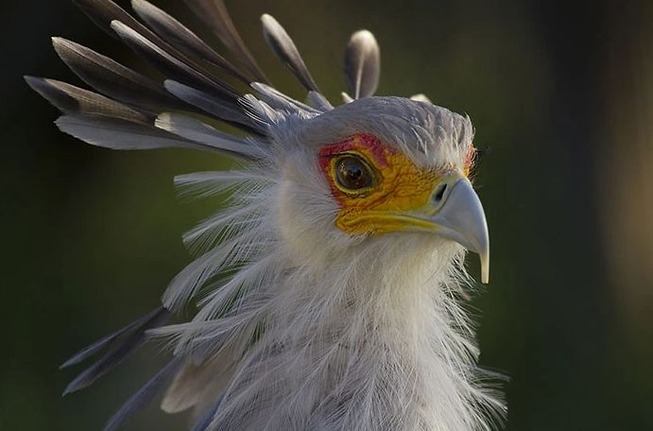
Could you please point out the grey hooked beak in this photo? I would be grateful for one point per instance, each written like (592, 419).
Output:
(460, 217)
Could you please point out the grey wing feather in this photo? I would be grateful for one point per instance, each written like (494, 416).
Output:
(214, 13)
(198, 386)
(179, 36)
(97, 346)
(173, 67)
(148, 44)
(103, 12)
(112, 78)
(143, 396)
(213, 105)
(122, 135)
(259, 111)
(196, 131)
(362, 64)
(283, 46)
(74, 100)
(277, 100)
(318, 101)
(119, 347)
(183, 393)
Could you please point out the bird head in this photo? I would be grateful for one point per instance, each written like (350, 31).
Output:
(379, 167)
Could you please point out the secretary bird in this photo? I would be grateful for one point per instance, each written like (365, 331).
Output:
(329, 291)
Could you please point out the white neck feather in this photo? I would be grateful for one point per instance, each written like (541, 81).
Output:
(381, 344)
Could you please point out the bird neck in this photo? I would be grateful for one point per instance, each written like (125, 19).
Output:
(377, 337)
(373, 339)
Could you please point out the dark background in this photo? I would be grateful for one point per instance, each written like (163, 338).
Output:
(562, 93)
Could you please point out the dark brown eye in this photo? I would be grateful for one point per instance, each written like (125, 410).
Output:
(353, 173)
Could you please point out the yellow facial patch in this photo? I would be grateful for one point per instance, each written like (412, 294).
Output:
(375, 185)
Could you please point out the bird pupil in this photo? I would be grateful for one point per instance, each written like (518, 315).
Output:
(355, 172)
(352, 173)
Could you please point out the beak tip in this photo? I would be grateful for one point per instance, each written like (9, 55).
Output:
(485, 268)
(461, 219)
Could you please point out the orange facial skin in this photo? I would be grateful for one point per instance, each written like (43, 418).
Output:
(399, 187)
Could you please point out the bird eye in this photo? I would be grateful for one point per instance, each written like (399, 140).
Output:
(353, 173)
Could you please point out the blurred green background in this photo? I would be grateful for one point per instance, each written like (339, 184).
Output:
(560, 91)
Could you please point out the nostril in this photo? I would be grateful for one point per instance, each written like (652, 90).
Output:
(440, 193)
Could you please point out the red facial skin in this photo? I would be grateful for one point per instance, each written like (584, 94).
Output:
(354, 143)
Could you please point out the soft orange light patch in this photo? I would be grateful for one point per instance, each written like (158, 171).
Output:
(399, 186)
